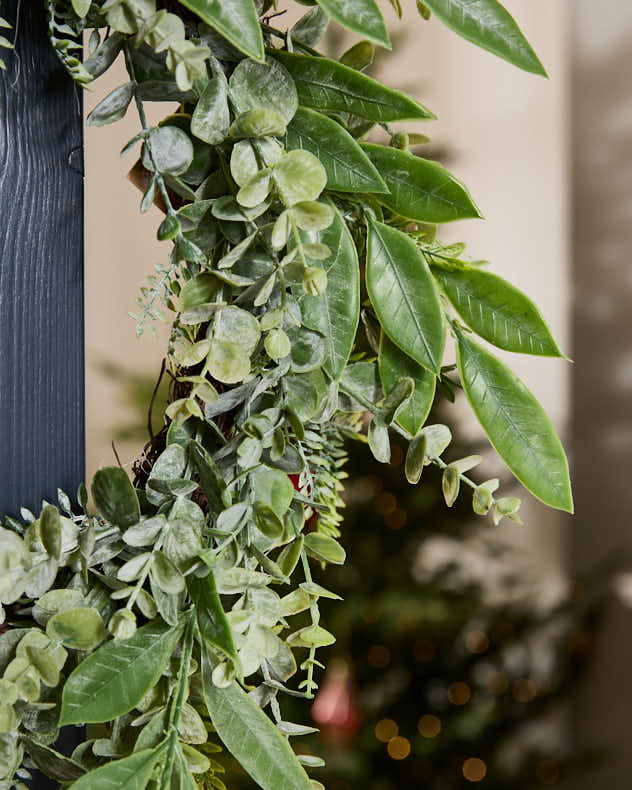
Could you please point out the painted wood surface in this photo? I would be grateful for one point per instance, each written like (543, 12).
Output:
(41, 270)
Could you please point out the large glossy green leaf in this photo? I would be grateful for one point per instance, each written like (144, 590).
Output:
(236, 20)
(489, 25)
(114, 496)
(498, 312)
(394, 366)
(516, 424)
(112, 680)
(404, 295)
(336, 313)
(420, 189)
(348, 168)
(325, 84)
(360, 16)
(251, 737)
(211, 618)
(130, 773)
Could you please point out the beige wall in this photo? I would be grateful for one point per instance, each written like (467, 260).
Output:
(505, 135)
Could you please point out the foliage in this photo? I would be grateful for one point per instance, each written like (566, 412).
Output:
(157, 617)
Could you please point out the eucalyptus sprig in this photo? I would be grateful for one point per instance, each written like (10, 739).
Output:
(186, 603)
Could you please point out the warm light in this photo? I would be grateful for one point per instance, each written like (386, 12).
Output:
(385, 503)
(397, 519)
(398, 748)
(385, 730)
(424, 650)
(459, 693)
(523, 690)
(498, 684)
(379, 656)
(429, 726)
(476, 642)
(474, 770)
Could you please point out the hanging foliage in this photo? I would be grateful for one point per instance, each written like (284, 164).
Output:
(181, 608)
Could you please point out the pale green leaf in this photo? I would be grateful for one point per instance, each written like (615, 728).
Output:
(130, 773)
(211, 117)
(360, 16)
(404, 295)
(419, 189)
(325, 84)
(266, 85)
(498, 312)
(516, 424)
(489, 25)
(114, 497)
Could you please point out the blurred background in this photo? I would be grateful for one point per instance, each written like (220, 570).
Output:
(467, 654)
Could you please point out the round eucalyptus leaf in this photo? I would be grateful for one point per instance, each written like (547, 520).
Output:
(80, 629)
(237, 326)
(55, 601)
(256, 190)
(273, 488)
(311, 215)
(277, 344)
(267, 521)
(171, 151)
(312, 636)
(199, 290)
(122, 624)
(299, 176)
(248, 156)
(263, 85)
(257, 124)
(228, 362)
(14, 563)
(146, 531)
(281, 230)
(308, 349)
(165, 574)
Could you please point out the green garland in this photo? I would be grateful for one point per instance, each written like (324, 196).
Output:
(181, 609)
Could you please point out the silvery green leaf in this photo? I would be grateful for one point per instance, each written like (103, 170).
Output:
(324, 548)
(258, 124)
(114, 497)
(133, 568)
(236, 580)
(379, 441)
(256, 190)
(130, 773)
(308, 349)
(312, 215)
(165, 574)
(272, 488)
(394, 401)
(80, 628)
(235, 325)
(167, 150)
(416, 458)
(232, 518)
(450, 483)
(40, 577)
(316, 591)
(14, 564)
(311, 27)
(311, 636)
(211, 117)
(263, 86)
(360, 16)
(145, 532)
(113, 107)
(55, 601)
(247, 154)
(228, 362)
(299, 176)
(182, 544)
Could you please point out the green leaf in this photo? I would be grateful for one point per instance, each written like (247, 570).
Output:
(81, 7)
(211, 481)
(325, 84)
(114, 679)
(258, 123)
(404, 295)
(130, 773)
(228, 362)
(489, 25)
(113, 107)
(53, 764)
(236, 20)
(336, 313)
(360, 16)
(211, 618)
(324, 548)
(268, 86)
(415, 458)
(167, 150)
(299, 176)
(273, 488)
(311, 27)
(379, 441)
(419, 189)
(114, 497)
(211, 117)
(516, 424)
(395, 365)
(498, 312)
(80, 628)
(250, 736)
(348, 168)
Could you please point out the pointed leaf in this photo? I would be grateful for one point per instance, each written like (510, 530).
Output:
(112, 680)
(211, 117)
(419, 189)
(361, 16)
(489, 25)
(348, 168)
(211, 618)
(404, 295)
(325, 84)
(250, 736)
(395, 365)
(236, 20)
(516, 424)
(498, 312)
(336, 313)
(130, 773)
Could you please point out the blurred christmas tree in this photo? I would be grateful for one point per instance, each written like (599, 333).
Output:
(455, 655)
